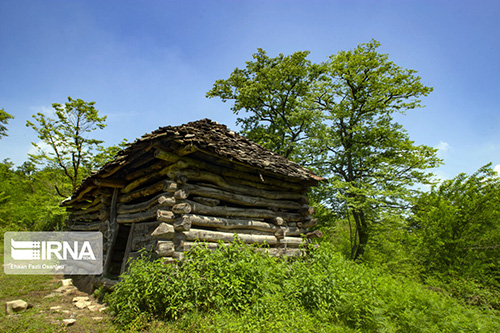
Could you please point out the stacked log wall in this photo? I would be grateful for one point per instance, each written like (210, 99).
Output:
(177, 196)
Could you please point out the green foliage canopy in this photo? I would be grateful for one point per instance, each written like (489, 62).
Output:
(272, 91)
(337, 118)
(368, 157)
(66, 135)
(4, 119)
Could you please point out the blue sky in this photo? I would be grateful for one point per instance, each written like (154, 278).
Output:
(149, 63)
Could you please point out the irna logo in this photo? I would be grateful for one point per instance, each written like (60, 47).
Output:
(48, 250)
(58, 252)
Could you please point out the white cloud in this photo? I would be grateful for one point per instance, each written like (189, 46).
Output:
(497, 168)
(42, 145)
(443, 148)
(47, 111)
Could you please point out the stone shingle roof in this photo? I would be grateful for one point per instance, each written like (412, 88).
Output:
(215, 139)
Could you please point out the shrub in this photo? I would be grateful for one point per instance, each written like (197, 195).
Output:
(235, 288)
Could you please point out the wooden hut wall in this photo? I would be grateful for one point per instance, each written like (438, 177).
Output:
(175, 194)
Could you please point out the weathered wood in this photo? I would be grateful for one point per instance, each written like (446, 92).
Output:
(163, 199)
(252, 213)
(307, 210)
(166, 155)
(147, 170)
(181, 194)
(314, 234)
(241, 170)
(142, 235)
(85, 217)
(182, 208)
(92, 226)
(149, 215)
(164, 231)
(277, 232)
(207, 201)
(113, 232)
(281, 252)
(165, 249)
(185, 150)
(165, 216)
(234, 186)
(152, 176)
(183, 223)
(113, 183)
(128, 248)
(225, 223)
(71, 201)
(90, 207)
(240, 199)
(279, 221)
(307, 224)
(164, 185)
(215, 236)
(280, 233)
(153, 214)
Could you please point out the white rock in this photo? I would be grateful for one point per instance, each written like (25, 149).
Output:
(80, 298)
(67, 282)
(69, 322)
(15, 306)
(82, 304)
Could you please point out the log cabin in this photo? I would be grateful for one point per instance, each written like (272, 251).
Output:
(195, 182)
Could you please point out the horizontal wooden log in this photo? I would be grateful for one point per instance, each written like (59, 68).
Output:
(277, 232)
(152, 176)
(254, 177)
(185, 150)
(162, 186)
(85, 217)
(251, 213)
(281, 252)
(72, 200)
(240, 199)
(112, 183)
(138, 168)
(166, 155)
(152, 214)
(215, 236)
(163, 199)
(234, 186)
(207, 201)
(86, 210)
(272, 251)
(226, 223)
(165, 248)
(93, 226)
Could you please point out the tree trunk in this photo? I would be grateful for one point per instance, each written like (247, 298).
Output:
(362, 234)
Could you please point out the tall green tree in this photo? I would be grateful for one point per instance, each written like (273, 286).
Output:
(67, 136)
(337, 118)
(271, 92)
(4, 119)
(368, 157)
(457, 229)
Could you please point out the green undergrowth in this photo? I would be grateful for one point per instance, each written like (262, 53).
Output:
(238, 289)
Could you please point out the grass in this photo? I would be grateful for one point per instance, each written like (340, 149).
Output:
(39, 318)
